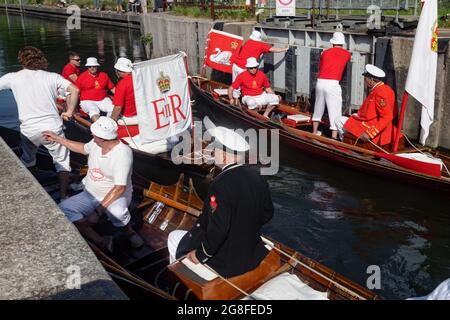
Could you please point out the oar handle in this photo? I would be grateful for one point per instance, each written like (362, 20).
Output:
(171, 203)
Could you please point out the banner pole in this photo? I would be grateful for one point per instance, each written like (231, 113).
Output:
(400, 120)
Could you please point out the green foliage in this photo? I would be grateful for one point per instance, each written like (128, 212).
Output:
(147, 39)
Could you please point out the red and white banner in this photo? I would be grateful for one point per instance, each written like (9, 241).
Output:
(220, 50)
(285, 8)
(162, 97)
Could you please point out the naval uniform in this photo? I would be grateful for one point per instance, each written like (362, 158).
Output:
(374, 117)
(227, 233)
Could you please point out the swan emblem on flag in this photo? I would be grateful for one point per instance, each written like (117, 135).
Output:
(221, 57)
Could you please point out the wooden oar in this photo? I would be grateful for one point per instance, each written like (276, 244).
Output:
(410, 164)
(171, 203)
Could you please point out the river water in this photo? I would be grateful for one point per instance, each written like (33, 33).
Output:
(346, 220)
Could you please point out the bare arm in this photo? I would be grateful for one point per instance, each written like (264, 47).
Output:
(116, 112)
(72, 102)
(230, 94)
(269, 90)
(73, 77)
(279, 49)
(74, 146)
(115, 193)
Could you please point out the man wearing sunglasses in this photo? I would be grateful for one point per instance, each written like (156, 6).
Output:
(71, 70)
(255, 87)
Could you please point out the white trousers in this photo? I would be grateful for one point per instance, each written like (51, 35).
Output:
(328, 92)
(93, 108)
(339, 123)
(59, 153)
(172, 243)
(264, 99)
(83, 204)
(236, 71)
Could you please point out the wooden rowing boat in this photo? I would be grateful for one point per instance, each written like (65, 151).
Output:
(145, 273)
(157, 167)
(298, 136)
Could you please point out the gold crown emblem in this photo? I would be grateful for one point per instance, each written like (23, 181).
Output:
(163, 82)
(234, 45)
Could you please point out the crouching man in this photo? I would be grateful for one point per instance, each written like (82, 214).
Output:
(107, 184)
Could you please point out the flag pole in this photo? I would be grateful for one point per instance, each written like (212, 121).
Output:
(400, 120)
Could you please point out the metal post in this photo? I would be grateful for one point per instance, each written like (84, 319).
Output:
(415, 8)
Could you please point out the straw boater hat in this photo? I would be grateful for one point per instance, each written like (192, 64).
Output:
(92, 62)
(105, 128)
(374, 72)
(124, 65)
(338, 38)
(229, 138)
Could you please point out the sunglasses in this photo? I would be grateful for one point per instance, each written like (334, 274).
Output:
(76, 59)
(253, 68)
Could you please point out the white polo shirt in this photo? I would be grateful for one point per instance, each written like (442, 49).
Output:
(106, 171)
(36, 92)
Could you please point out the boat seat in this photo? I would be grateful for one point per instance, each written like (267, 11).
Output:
(294, 120)
(218, 289)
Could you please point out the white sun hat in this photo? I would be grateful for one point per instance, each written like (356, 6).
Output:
(256, 35)
(105, 128)
(374, 71)
(251, 63)
(229, 139)
(338, 38)
(124, 65)
(92, 62)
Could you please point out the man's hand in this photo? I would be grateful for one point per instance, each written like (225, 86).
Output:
(51, 136)
(364, 137)
(231, 101)
(287, 47)
(191, 256)
(66, 116)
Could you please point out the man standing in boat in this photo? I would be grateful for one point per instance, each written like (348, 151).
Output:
(328, 90)
(94, 86)
(123, 101)
(227, 233)
(108, 187)
(256, 90)
(374, 118)
(252, 48)
(36, 91)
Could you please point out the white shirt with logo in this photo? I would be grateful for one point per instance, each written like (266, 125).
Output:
(108, 170)
(36, 92)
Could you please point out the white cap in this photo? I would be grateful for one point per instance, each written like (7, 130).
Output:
(338, 38)
(256, 35)
(92, 62)
(124, 65)
(105, 128)
(374, 71)
(251, 63)
(229, 139)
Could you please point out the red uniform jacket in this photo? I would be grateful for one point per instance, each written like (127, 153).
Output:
(375, 116)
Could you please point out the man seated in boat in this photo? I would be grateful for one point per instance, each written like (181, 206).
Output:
(123, 101)
(227, 234)
(373, 121)
(94, 86)
(107, 185)
(256, 90)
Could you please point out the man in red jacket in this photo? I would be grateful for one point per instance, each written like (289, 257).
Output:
(374, 118)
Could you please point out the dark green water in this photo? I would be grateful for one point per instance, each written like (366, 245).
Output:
(344, 219)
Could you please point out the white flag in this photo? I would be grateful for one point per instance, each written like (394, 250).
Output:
(163, 102)
(421, 81)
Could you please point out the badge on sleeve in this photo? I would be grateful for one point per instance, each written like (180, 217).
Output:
(382, 102)
(213, 203)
